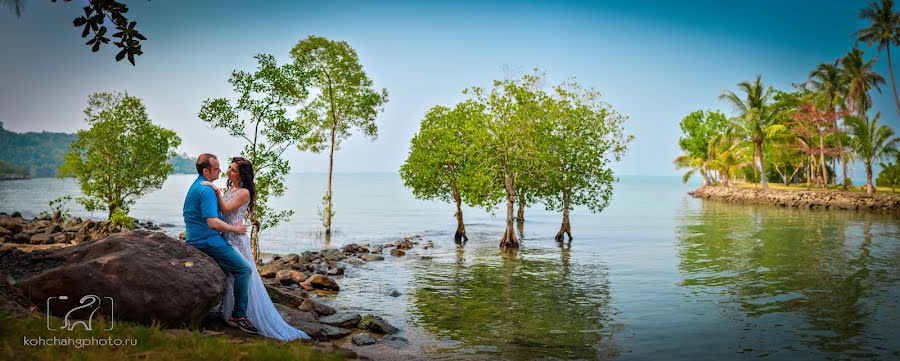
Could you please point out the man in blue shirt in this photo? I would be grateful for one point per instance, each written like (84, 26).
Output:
(204, 228)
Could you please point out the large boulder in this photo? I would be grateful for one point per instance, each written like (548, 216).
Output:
(148, 275)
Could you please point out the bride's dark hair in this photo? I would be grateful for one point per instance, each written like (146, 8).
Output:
(245, 169)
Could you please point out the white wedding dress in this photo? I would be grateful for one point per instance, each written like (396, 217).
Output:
(260, 309)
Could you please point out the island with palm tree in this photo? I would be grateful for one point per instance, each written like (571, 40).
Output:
(795, 138)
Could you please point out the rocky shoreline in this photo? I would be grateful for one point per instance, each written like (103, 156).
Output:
(802, 199)
(99, 257)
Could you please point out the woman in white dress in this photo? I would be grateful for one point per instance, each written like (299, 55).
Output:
(234, 204)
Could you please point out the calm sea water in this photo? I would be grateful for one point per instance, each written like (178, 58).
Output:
(657, 275)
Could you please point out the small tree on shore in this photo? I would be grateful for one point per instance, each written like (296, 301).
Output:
(509, 140)
(444, 165)
(259, 119)
(121, 156)
(890, 175)
(871, 143)
(585, 136)
(345, 99)
(698, 130)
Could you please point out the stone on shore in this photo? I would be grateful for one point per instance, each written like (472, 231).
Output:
(303, 321)
(334, 331)
(372, 257)
(802, 199)
(285, 296)
(149, 277)
(310, 305)
(342, 319)
(362, 339)
(396, 252)
(320, 282)
(377, 324)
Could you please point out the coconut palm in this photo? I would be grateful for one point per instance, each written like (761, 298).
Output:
(883, 29)
(829, 81)
(756, 120)
(871, 143)
(860, 78)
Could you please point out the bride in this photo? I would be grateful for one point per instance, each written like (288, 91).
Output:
(234, 204)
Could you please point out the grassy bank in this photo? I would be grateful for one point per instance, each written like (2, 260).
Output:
(138, 342)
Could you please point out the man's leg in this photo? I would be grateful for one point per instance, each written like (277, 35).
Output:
(232, 262)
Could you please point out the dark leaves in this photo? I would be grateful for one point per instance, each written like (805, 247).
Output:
(93, 21)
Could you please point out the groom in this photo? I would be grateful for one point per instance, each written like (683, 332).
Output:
(204, 232)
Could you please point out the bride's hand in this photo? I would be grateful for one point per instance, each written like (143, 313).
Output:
(211, 184)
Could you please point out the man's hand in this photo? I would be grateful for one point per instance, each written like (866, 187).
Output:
(221, 226)
(240, 228)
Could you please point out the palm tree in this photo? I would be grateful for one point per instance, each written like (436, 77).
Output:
(884, 31)
(829, 81)
(860, 79)
(756, 120)
(871, 143)
(693, 164)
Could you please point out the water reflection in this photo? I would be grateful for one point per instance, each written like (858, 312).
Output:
(526, 305)
(813, 283)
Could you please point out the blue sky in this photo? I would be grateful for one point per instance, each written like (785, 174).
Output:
(653, 61)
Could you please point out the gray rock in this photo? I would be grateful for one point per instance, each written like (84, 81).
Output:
(372, 257)
(356, 261)
(341, 319)
(334, 331)
(362, 339)
(310, 305)
(303, 321)
(395, 341)
(394, 293)
(377, 324)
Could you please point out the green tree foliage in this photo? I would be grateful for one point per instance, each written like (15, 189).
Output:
(861, 78)
(443, 163)
(871, 143)
(121, 156)
(34, 154)
(756, 120)
(259, 119)
(510, 139)
(698, 129)
(890, 175)
(344, 100)
(883, 30)
(40, 154)
(582, 136)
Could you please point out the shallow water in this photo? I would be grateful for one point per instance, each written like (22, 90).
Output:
(657, 275)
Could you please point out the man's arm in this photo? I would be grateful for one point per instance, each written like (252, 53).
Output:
(220, 225)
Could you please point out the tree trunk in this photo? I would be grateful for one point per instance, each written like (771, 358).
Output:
(822, 161)
(893, 83)
(791, 178)
(703, 173)
(328, 192)
(870, 189)
(565, 227)
(520, 214)
(254, 236)
(846, 181)
(809, 174)
(509, 239)
(764, 183)
(460, 235)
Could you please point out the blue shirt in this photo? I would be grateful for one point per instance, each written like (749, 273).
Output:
(201, 203)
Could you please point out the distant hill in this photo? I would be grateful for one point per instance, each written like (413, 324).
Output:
(34, 154)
